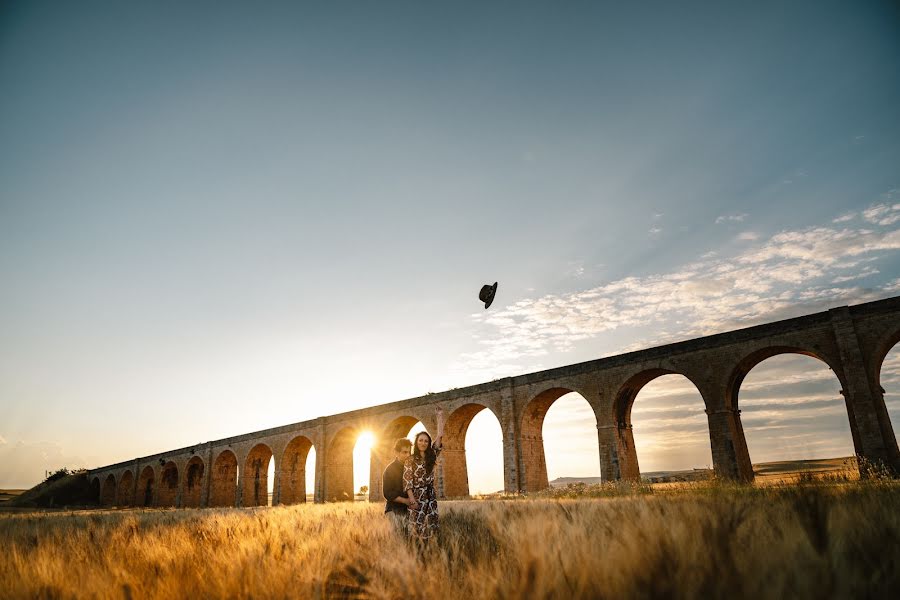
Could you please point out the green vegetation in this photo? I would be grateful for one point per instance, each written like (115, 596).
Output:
(68, 489)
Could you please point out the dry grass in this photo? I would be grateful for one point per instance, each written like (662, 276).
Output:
(810, 541)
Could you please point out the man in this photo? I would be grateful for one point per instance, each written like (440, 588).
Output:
(397, 503)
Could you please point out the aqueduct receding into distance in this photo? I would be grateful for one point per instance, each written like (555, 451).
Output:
(853, 341)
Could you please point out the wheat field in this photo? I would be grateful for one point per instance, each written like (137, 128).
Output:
(809, 541)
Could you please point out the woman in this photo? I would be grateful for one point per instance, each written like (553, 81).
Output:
(418, 482)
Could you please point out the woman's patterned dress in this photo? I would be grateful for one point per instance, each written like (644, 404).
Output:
(423, 521)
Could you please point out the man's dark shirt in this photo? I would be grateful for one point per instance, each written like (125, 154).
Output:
(392, 485)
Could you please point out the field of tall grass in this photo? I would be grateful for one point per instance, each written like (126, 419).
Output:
(819, 540)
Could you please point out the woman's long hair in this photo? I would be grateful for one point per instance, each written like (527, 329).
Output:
(430, 455)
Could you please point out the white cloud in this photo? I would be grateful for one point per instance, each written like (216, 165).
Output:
(861, 275)
(655, 230)
(882, 214)
(790, 273)
(748, 236)
(731, 218)
(844, 218)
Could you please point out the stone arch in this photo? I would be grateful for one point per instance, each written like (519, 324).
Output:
(623, 402)
(746, 364)
(256, 476)
(192, 494)
(532, 458)
(339, 465)
(751, 361)
(882, 348)
(293, 470)
(168, 485)
(623, 406)
(125, 494)
(108, 491)
(456, 472)
(95, 489)
(223, 482)
(146, 483)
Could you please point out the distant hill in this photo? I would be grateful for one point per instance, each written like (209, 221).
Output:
(768, 469)
(71, 490)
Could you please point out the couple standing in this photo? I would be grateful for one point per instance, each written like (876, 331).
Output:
(408, 484)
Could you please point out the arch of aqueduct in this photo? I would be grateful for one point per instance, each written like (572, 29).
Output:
(852, 341)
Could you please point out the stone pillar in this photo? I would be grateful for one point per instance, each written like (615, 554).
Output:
(182, 476)
(626, 452)
(456, 476)
(207, 480)
(157, 484)
(512, 470)
(321, 456)
(873, 435)
(379, 458)
(134, 484)
(533, 463)
(731, 459)
(609, 453)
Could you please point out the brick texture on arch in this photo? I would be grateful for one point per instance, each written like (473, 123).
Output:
(125, 494)
(339, 466)
(168, 485)
(108, 491)
(293, 470)
(192, 492)
(145, 487)
(256, 476)
(223, 485)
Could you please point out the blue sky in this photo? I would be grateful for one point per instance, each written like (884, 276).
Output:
(216, 217)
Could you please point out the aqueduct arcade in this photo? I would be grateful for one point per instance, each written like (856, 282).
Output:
(852, 341)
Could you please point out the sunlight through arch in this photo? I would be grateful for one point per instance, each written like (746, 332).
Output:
(362, 458)
(571, 447)
(671, 430)
(792, 410)
(484, 454)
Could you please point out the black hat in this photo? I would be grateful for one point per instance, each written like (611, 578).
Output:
(487, 293)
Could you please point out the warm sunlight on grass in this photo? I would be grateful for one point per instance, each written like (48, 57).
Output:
(711, 541)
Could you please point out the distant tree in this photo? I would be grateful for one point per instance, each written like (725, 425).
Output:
(59, 474)
(363, 490)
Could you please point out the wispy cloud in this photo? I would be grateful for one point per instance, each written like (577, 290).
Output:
(844, 218)
(789, 273)
(731, 218)
(748, 236)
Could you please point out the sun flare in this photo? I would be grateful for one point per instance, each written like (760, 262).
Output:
(365, 441)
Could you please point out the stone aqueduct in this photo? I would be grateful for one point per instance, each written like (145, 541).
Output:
(852, 341)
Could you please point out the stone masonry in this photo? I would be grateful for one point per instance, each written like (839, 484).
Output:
(852, 341)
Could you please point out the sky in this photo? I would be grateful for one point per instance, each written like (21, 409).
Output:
(221, 217)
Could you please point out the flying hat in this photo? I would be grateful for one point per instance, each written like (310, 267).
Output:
(487, 293)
